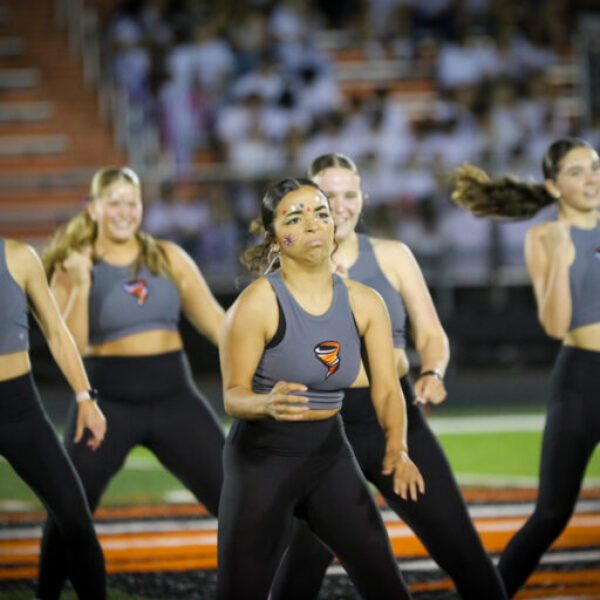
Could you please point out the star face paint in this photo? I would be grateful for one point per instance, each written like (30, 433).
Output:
(303, 226)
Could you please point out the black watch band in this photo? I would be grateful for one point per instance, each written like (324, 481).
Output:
(433, 373)
(91, 394)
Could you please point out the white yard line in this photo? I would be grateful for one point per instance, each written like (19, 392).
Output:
(425, 564)
(487, 424)
(506, 510)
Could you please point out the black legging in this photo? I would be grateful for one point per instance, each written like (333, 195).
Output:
(275, 471)
(148, 401)
(439, 518)
(29, 443)
(570, 436)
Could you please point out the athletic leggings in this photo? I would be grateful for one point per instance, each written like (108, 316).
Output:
(29, 443)
(570, 436)
(149, 401)
(439, 517)
(275, 471)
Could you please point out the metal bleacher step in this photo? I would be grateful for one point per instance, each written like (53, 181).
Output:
(11, 46)
(21, 145)
(13, 112)
(11, 79)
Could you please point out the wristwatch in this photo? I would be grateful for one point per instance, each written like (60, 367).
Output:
(91, 394)
(434, 373)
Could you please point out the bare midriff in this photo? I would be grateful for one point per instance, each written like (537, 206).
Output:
(145, 343)
(586, 337)
(14, 365)
(319, 415)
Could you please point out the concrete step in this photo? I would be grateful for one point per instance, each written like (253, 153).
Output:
(25, 112)
(26, 145)
(18, 78)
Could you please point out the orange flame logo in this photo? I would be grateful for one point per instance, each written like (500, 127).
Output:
(138, 288)
(329, 354)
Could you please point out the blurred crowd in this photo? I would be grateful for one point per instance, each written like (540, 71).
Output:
(263, 87)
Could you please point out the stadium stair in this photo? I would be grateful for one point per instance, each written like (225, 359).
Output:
(52, 137)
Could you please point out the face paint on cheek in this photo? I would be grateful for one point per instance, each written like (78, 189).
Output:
(288, 240)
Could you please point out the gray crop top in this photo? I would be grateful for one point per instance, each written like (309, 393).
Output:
(122, 302)
(584, 277)
(366, 270)
(14, 322)
(320, 351)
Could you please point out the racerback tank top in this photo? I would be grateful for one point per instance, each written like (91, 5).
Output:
(319, 351)
(122, 303)
(14, 321)
(366, 270)
(584, 277)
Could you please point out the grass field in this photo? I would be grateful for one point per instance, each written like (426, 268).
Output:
(488, 450)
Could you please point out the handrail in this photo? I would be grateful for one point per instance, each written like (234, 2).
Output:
(82, 23)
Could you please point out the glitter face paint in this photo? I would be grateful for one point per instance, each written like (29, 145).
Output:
(302, 207)
(288, 240)
(291, 209)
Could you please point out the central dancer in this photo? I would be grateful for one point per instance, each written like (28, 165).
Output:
(288, 346)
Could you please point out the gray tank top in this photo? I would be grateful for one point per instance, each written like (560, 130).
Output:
(122, 302)
(366, 269)
(320, 351)
(14, 322)
(584, 277)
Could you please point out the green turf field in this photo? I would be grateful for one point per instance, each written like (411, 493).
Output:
(478, 457)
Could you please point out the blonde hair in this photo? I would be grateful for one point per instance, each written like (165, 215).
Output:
(329, 161)
(81, 231)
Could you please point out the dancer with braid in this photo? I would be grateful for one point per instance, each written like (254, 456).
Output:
(27, 438)
(562, 258)
(121, 293)
(289, 344)
(440, 518)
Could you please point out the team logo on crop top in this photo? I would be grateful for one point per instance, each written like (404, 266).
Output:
(329, 354)
(138, 288)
